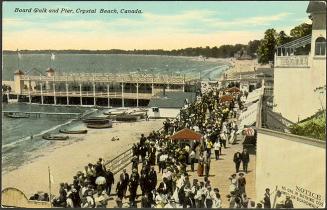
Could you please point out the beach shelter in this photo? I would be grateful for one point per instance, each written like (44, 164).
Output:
(186, 136)
(233, 90)
(226, 98)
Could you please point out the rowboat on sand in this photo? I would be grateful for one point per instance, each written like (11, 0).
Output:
(55, 137)
(73, 132)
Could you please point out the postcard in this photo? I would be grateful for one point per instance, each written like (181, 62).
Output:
(163, 104)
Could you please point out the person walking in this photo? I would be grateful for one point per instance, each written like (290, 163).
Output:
(125, 177)
(241, 182)
(222, 137)
(237, 160)
(192, 159)
(200, 165)
(266, 199)
(217, 147)
(245, 160)
(110, 180)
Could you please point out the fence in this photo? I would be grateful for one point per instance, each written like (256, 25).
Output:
(121, 161)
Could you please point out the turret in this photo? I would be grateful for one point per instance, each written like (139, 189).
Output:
(18, 82)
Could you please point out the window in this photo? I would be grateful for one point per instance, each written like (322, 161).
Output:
(320, 46)
(155, 109)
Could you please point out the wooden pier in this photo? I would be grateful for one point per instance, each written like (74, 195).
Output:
(91, 89)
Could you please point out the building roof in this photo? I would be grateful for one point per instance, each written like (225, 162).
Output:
(316, 6)
(50, 70)
(186, 134)
(19, 72)
(172, 99)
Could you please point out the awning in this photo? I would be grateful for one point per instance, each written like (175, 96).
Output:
(186, 134)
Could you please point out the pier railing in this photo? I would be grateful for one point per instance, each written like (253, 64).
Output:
(88, 94)
(126, 78)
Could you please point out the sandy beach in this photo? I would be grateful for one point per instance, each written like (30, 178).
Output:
(65, 159)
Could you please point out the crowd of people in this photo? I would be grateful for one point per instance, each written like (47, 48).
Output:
(157, 153)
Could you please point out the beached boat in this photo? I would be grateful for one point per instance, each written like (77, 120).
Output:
(127, 118)
(96, 120)
(99, 126)
(114, 113)
(17, 115)
(73, 132)
(55, 137)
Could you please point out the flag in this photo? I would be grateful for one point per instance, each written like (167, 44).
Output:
(53, 56)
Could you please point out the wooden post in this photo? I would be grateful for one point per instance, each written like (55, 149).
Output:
(94, 101)
(152, 85)
(67, 90)
(80, 94)
(50, 199)
(41, 88)
(184, 83)
(29, 90)
(108, 92)
(137, 94)
(122, 95)
(54, 91)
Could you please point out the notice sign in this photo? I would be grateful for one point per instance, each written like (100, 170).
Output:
(303, 196)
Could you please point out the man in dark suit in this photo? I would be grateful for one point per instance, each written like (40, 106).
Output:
(133, 184)
(125, 181)
(288, 203)
(266, 199)
(110, 180)
(153, 178)
(120, 188)
(245, 160)
(237, 160)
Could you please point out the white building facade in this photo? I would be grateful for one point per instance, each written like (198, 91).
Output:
(297, 77)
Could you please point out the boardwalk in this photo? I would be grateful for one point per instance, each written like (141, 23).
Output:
(220, 171)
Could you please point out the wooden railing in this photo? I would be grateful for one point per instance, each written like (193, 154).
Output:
(122, 160)
(113, 78)
(292, 61)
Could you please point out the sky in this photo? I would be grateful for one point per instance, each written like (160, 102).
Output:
(161, 25)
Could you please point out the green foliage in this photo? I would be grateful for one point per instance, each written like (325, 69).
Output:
(301, 30)
(266, 49)
(267, 45)
(314, 127)
(253, 47)
(283, 38)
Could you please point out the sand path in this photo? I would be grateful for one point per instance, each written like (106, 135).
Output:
(65, 160)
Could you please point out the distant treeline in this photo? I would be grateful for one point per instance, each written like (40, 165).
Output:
(224, 51)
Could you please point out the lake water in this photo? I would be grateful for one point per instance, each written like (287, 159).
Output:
(17, 144)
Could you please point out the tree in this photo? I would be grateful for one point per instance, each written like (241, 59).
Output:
(253, 47)
(266, 50)
(301, 30)
(282, 38)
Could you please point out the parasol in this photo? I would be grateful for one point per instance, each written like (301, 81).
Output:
(225, 98)
(233, 90)
(100, 180)
(186, 134)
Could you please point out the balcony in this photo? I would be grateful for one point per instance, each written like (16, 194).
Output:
(292, 61)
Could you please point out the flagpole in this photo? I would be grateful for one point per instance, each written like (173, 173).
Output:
(18, 59)
(49, 187)
(274, 203)
(50, 60)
